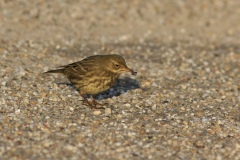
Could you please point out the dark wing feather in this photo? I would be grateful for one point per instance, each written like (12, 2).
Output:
(82, 67)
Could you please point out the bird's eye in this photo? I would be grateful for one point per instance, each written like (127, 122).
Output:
(117, 66)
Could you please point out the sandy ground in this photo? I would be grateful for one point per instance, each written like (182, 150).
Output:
(182, 104)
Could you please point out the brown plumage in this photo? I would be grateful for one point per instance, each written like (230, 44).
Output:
(94, 74)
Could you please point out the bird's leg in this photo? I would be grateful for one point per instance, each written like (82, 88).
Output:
(89, 104)
(95, 103)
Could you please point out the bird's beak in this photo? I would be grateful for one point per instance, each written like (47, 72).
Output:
(129, 70)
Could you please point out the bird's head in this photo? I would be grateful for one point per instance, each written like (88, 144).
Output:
(116, 64)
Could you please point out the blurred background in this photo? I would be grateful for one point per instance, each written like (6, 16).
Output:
(68, 21)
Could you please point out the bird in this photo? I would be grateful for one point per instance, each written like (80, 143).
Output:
(94, 74)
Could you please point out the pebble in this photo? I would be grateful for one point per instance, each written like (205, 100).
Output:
(108, 111)
(97, 112)
(154, 107)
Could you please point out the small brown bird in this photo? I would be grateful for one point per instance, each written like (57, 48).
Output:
(94, 74)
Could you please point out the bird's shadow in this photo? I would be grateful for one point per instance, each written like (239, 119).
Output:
(120, 87)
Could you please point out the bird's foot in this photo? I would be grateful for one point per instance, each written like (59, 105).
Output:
(96, 103)
(92, 104)
(95, 107)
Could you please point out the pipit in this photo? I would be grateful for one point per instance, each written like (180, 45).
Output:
(94, 74)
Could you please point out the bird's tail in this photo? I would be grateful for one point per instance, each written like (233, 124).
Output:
(55, 71)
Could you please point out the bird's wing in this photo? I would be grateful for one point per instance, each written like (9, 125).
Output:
(81, 67)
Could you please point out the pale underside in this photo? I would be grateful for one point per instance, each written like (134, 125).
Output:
(99, 83)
